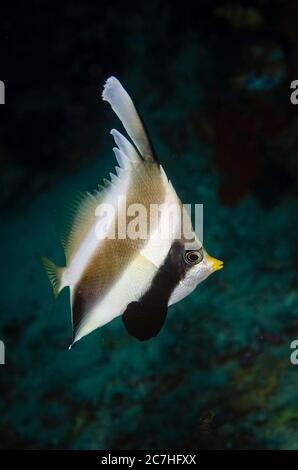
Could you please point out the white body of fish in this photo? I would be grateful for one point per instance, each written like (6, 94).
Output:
(138, 278)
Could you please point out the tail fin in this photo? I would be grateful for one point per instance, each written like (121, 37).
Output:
(54, 274)
(123, 106)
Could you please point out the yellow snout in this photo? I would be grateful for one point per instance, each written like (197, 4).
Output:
(215, 263)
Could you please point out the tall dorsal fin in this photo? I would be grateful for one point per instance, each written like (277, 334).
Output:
(123, 106)
(125, 147)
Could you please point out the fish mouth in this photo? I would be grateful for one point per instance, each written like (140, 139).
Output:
(216, 264)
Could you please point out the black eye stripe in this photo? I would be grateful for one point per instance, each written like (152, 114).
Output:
(193, 257)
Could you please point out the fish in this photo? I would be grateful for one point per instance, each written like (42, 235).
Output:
(134, 274)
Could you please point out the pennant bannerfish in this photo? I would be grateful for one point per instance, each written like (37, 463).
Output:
(110, 272)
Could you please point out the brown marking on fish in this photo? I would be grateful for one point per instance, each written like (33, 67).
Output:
(102, 271)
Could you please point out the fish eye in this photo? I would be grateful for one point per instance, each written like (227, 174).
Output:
(193, 256)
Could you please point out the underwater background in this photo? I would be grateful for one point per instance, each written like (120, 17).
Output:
(212, 81)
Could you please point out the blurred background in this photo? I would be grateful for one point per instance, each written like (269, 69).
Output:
(212, 81)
